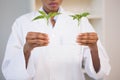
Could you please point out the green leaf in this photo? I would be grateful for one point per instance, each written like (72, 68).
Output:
(85, 14)
(46, 16)
(73, 16)
(38, 17)
(79, 16)
(53, 14)
(42, 13)
(49, 15)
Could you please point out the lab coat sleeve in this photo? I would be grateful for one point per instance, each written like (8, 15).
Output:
(104, 60)
(13, 66)
(104, 63)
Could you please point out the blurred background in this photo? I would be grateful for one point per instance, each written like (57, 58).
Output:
(105, 17)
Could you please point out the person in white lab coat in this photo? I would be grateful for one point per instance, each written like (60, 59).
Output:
(55, 51)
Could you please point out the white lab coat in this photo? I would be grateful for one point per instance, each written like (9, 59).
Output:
(62, 59)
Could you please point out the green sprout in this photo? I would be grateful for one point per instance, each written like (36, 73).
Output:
(43, 15)
(79, 16)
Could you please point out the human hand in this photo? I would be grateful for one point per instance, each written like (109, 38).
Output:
(36, 39)
(87, 39)
(90, 39)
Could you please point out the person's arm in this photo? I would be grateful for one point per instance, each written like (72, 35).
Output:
(95, 57)
(27, 52)
(96, 61)
(89, 64)
(34, 39)
(17, 55)
(90, 40)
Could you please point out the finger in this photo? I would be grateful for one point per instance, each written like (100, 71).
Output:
(42, 42)
(36, 41)
(86, 41)
(87, 36)
(39, 45)
(88, 33)
(42, 36)
(36, 35)
(85, 44)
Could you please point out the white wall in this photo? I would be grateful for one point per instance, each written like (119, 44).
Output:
(9, 11)
(112, 36)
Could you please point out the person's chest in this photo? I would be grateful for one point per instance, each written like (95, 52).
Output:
(64, 32)
(63, 54)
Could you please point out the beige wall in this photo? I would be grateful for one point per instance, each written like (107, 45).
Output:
(112, 36)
